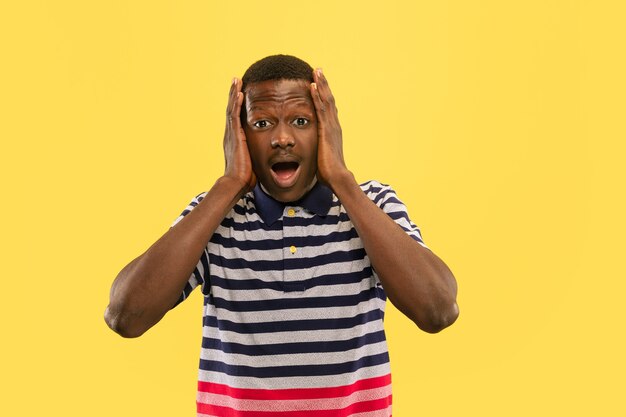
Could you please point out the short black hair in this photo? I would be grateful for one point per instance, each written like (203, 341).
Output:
(277, 67)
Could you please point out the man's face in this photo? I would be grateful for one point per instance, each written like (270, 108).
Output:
(281, 130)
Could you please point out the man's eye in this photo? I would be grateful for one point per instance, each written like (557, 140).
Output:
(261, 124)
(301, 121)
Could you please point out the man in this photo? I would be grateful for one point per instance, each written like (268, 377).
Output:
(292, 256)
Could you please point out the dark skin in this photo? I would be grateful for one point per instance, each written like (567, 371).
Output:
(291, 137)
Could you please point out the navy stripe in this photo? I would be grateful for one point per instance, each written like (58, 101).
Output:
(196, 273)
(289, 263)
(205, 264)
(245, 209)
(230, 223)
(392, 200)
(257, 284)
(332, 220)
(328, 220)
(192, 204)
(372, 187)
(289, 371)
(397, 215)
(268, 244)
(299, 303)
(294, 348)
(245, 245)
(416, 238)
(380, 197)
(294, 325)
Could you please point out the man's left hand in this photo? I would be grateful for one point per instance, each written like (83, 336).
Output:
(330, 163)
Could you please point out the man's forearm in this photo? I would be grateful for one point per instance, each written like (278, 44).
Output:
(152, 283)
(416, 281)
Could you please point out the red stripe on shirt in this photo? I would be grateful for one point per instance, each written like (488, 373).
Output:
(360, 407)
(293, 393)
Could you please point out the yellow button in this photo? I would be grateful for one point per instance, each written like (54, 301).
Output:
(293, 249)
(291, 212)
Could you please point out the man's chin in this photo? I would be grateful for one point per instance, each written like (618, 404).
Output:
(290, 195)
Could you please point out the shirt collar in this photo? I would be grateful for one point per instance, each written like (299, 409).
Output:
(318, 200)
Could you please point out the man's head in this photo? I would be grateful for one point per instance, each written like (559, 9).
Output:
(280, 123)
(277, 67)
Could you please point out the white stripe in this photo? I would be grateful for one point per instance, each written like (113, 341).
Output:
(292, 337)
(277, 275)
(294, 382)
(296, 314)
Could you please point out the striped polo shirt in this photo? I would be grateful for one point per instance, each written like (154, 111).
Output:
(293, 311)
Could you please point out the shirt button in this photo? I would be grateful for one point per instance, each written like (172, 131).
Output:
(293, 249)
(291, 212)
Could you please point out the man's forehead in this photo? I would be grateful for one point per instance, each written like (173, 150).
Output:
(278, 91)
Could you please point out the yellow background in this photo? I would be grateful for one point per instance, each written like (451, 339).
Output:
(499, 123)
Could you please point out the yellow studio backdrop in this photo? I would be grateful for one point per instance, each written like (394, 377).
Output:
(500, 124)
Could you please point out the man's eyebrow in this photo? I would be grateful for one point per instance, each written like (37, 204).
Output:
(298, 102)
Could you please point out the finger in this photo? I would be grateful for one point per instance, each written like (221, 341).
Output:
(323, 87)
(230, 96)
(235, 87)
(236, 116)
(320, 107)
(318, 78)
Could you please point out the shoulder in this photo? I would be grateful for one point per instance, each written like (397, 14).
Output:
(377, 191)
(192, 204)
(374, 187)
(246, 203)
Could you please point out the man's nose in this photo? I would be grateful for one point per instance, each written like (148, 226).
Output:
(282, 137)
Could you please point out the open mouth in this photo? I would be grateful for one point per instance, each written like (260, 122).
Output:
(285, 173)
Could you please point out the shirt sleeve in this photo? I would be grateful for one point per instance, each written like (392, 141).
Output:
(201, 271)
(386, 198)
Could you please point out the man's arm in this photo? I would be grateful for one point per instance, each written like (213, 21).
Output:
(416, 281)
(152, 283)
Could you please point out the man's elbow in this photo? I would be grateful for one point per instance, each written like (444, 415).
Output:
(439, 318)
(122, 323)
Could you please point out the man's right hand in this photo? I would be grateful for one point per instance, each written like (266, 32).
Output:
(238, 165)
(147, 288)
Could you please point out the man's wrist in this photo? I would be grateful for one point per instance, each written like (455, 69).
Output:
(343, 182)
(239, 187)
